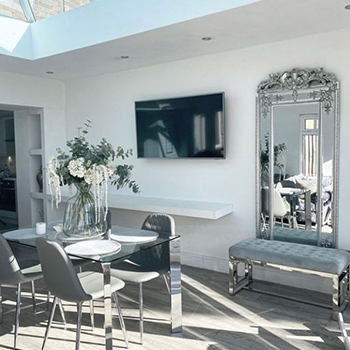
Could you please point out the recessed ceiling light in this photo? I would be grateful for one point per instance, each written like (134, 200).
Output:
(347, 7)
(49, 72)
(125, 57)
(207, 38)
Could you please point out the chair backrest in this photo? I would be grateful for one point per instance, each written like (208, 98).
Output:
(156, 258)
(10, 272)
(161, 223)
(279, 206)
(59, 273)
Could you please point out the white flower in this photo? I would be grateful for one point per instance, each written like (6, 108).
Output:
(98, 175)
(76, 168)
(88, 177)
(110, 168)
(54, 180)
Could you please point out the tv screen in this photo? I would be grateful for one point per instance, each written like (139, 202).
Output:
(188, 127)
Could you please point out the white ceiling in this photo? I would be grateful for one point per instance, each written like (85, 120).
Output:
(263, 22)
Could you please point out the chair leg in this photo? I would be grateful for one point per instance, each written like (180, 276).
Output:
(48, 301)
(1, 316)
(80, 315)
(141, 312)
(60, 305)
(92, 315)
(165, 277)
(52, 314)
(121, 318)
(18, 311)
(33, 297)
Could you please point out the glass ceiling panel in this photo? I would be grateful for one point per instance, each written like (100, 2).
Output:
(24, 9)
(47, 8)
(11, 8)
(72, 4)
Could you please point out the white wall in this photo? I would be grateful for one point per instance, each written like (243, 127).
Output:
(20, 94)
(21, 90)
(109, 102)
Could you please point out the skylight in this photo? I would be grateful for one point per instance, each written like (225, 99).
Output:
(36, 10)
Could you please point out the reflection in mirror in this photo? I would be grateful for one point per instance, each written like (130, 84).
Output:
(298, 158)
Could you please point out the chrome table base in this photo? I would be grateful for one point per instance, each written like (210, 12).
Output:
(175, 286)
(106, 269)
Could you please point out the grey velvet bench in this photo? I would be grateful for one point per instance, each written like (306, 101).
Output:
(286, 256)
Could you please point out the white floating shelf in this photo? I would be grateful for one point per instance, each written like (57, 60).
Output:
(194, 209)
(36, 152)
(37, 195)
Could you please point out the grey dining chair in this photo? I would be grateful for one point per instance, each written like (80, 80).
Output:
(149, 264)
(66, 284)
(13, 272)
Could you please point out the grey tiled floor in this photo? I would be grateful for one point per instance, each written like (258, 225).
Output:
(212, 320)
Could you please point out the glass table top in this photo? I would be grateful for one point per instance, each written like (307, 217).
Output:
(26, 236)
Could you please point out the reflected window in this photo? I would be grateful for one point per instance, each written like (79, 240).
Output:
(310, 144)
(310, 124)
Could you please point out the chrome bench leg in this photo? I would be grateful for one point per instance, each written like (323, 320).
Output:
(335, 297)
(343, 328)
(235, 283)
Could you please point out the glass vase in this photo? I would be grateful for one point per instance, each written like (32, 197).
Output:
(82, 218)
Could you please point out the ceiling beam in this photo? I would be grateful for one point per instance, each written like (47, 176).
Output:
(28, 10)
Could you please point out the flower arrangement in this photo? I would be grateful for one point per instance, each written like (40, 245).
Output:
(90, 167)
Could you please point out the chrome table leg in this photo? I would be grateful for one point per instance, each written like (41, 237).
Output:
(175, 286)
(141, 311)
(52, 314)
(33, 297)
(1, 312)
(106, 268)
(18, 311)
(121, 318)
(308, 223)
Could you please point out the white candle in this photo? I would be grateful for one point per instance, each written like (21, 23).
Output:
(40, 228)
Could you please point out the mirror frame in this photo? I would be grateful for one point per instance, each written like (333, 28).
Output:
(293, 87)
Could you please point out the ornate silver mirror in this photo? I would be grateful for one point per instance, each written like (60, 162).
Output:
(297, 157)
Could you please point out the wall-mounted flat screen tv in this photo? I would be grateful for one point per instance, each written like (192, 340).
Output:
(187, 127)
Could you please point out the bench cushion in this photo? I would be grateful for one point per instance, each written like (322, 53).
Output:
(301, 256)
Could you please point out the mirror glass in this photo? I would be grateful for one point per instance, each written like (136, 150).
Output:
(296, 154)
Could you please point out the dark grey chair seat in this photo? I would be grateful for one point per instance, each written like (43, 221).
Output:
(92, 283)
(31, 270)
(327, 260)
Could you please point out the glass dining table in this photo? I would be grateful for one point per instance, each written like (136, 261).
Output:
(27, 237)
